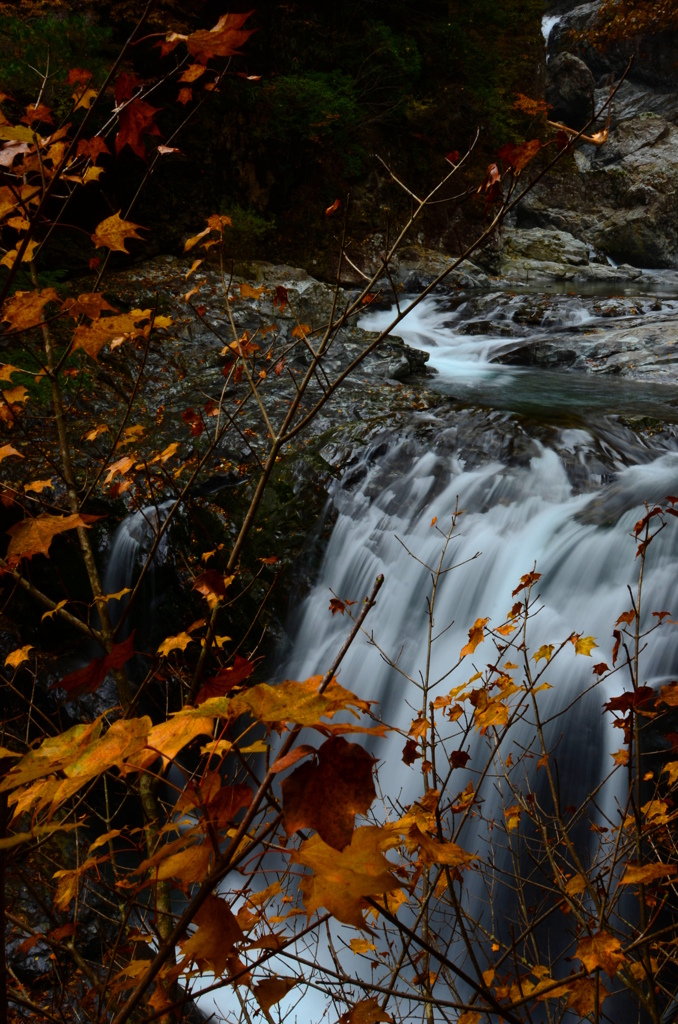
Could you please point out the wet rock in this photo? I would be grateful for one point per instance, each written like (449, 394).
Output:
(545, 245)
(570, 87)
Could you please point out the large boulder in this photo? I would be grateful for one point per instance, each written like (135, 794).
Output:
(652, 46)
(620, 197)
(570, 88)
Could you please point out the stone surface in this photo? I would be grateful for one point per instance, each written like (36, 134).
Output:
(570, 88)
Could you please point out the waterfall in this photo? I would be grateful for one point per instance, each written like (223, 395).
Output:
(561, 492)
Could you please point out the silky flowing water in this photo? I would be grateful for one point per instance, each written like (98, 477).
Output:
(551, 472)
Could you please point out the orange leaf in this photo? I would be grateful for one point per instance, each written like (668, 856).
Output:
(91, 339)
(122, 466)
(341, 880)
(90, 304)
(113, 231)
(34, 536)
(333, 208)
(602, 950)
(17, 657)
(643, 874)
(248, 292)
(301, 330)
(6, 450)
(476, 635)
(25, 309)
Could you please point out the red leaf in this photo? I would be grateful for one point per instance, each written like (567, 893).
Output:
(135, 121)
(631, 699)
(224, 681)
(459, 759)
(78, 76)
(125, 86)
(90, 678)
(453, 157)
(411, 752)
(193, 420)
(280, 298)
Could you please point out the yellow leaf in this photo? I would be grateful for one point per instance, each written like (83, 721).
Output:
(92, 174)
(545, 651)
(25, 309)
(512, 815)
(84, 100)
(166, 454)
(470, 1017)
(576, 885)
(362, 945)
(113, 232)
(672, 769)
(115, 329)
(9, 259)
(341, 880)
(17, 657)
(118, 594)
(621, 756)
(476, 635)
(584, 645)
(7, 370)
(173, 643)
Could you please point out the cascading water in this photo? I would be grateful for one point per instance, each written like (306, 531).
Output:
(547, 473)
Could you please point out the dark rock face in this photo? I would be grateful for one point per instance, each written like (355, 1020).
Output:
(570, 87)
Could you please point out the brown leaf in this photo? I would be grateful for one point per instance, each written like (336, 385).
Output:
(367, 1011)
(113, 231)
(212, 585)
(272, 990)
(584, 995)
(223, 40)
(34, 536)
(326, 795)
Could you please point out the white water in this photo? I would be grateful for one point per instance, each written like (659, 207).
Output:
(518, 511)
(562, 497)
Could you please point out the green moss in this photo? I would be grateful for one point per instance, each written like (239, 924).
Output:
(51, 45)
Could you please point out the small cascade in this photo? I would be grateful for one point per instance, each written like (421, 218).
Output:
(130, 548)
